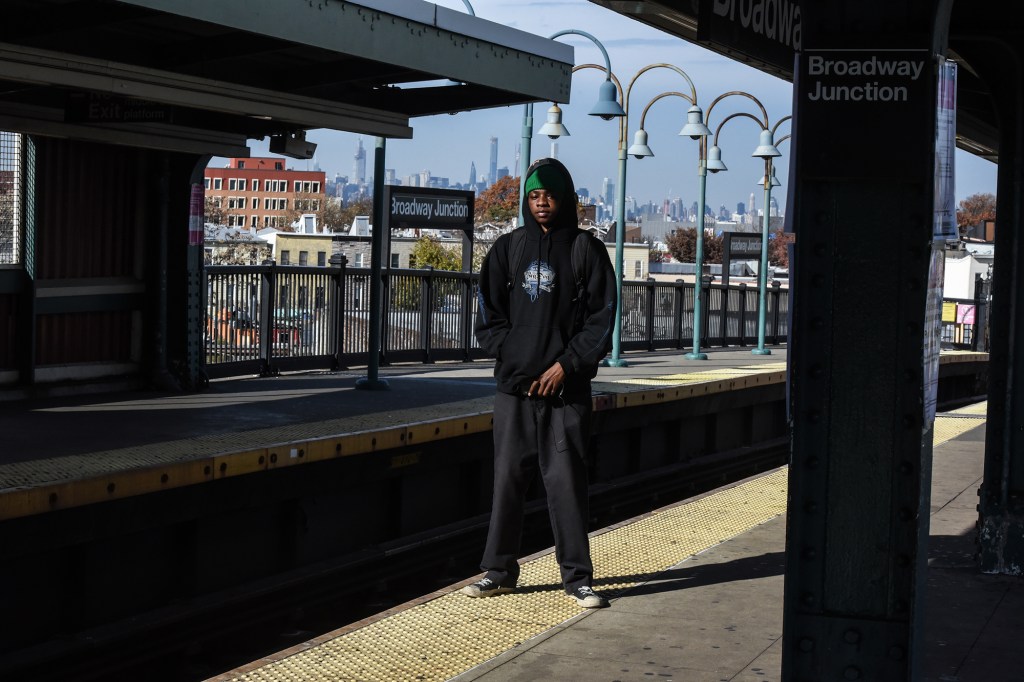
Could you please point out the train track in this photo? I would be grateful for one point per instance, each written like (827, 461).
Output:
(207, 636)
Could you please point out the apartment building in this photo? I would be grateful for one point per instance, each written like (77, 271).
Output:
(262, 192)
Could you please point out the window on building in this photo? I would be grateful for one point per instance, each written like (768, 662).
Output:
(241, 164)
(303, 257)
(357, 260)
(241, 184)
(255, 221)
(207, 182)
(218, 183)
(394, 260)
(321, 258)
(286, 257)
(638, 271)
(232, 184)
(316, 188)
(298, 186)
(11, 234)
(255, 203)
(279, 165)
(255, 185)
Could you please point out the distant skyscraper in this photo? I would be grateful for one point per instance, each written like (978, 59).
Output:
(753, 209)
(502, 173)
(773, 210)
(389, 176)
(607, 190)
(492, 172)
(741, 209)
(472, 173)
(359, 165)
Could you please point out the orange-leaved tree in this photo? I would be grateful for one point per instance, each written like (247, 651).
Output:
(975, 209)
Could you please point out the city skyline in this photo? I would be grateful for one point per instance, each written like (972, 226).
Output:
(449, 145)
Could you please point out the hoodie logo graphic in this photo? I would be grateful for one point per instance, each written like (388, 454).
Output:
(538, 277)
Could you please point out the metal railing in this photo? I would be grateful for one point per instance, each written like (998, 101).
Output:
(265, 319)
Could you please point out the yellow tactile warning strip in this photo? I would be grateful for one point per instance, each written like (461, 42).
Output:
(951, 424)
(694, 384)
(445, 636)
(44, 485)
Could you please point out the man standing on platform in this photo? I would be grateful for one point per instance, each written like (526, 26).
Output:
(546, 311)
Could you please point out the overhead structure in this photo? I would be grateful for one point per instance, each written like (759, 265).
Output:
(765, 35)
(199, 76)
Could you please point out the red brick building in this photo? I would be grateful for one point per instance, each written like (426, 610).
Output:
(261, 192)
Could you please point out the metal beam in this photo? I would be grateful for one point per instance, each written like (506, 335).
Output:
(413, 34)
(46, 67)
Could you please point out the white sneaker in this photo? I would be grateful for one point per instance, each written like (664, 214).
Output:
(588, 599)
(485, 587)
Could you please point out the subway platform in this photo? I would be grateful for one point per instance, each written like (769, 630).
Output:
(719, 581)
(696, 591)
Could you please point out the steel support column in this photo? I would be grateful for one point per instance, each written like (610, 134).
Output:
(860, 459)
(1001, 540)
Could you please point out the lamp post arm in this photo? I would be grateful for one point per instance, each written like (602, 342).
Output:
(732, 116)
(643, 114)
(604, 52)
(469, 8)
(764, 112)
(693, 89)
(778, 123)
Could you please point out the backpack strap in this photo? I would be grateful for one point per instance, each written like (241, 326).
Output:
(580, 270)
(516, 245)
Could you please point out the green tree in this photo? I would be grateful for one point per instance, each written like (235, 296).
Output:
(427, 252)
(430, 252)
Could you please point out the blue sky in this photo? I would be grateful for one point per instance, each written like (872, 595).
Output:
(446, 145)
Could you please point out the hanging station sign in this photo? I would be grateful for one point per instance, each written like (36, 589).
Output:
(426, 207)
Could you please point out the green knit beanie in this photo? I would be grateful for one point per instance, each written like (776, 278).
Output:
(546, 177)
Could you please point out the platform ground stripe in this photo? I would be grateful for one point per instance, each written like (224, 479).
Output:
(453, 633)
(948, 427)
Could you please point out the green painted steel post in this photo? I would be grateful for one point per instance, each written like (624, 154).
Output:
(702, 173)
(762, 275)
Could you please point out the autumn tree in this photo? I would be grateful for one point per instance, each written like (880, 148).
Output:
(778, 248)
(499, 203)
(682, 244)
(213, 211)
(303, 202)
(974, 210)
(361, 206)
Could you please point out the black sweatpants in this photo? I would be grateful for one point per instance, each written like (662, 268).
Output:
(545, 433)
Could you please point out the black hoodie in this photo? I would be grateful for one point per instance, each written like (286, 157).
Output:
(530, 326)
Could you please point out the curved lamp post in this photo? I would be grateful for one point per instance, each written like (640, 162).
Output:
(712, 160)
(607, 108)
(767, 152)
(694, 128)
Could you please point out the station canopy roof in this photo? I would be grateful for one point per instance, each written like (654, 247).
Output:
(974, 43)
(203, 76)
